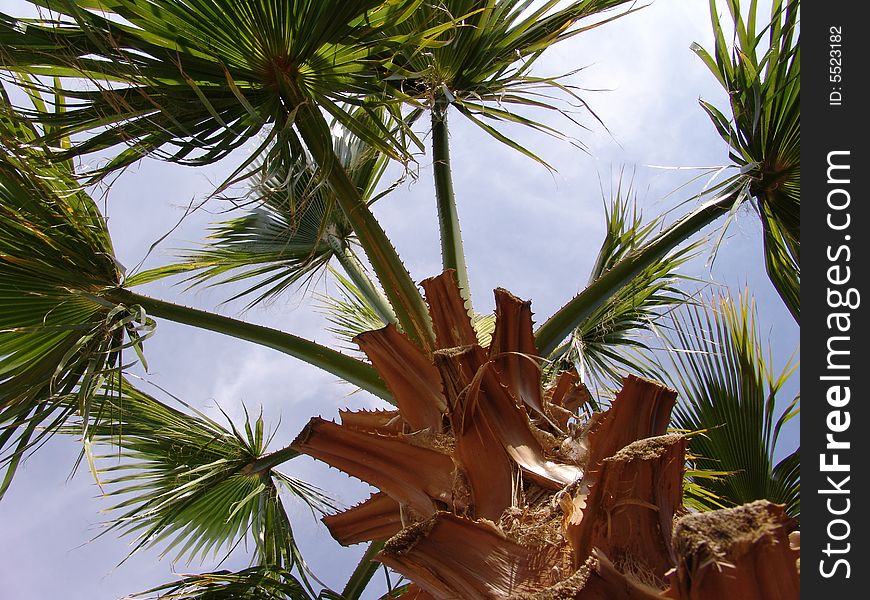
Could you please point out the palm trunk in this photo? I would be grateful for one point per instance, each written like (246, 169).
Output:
(491, 487)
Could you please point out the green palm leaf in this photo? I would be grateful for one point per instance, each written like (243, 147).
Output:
(610, 340)
(292, 231)
(772, 178)
(482, 66)
(60, 338)
(350, 313)
(255, 583)
(184, 480)
(192, 80)
(761, 74)
(481, 69)
(729, 393)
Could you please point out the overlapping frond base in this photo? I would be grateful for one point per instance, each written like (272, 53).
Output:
(492, 485)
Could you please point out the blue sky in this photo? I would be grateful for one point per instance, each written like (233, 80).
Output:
(526, 229)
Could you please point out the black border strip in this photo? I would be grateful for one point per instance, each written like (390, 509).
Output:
(835, 234)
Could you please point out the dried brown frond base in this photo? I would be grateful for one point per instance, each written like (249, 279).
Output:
(493, 486)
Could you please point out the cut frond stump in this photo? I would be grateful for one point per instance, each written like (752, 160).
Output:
(376, 519)
(493, 485)
(742, 552)
(630, 509)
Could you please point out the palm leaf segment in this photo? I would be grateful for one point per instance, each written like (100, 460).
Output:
(185, 480)
(255, 583)
(192, 80)
(761, 75)
(482, 65)
(730, 395)
(293, 229)
(609, 340)
(180, 74)
(59, 337)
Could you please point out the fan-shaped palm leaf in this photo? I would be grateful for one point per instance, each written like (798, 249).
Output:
(761, 74)
(255, 583)
(482, 69)
(185, 480)
(59, 335)
(610, 340)
(293, 229)
(483, 65)
(204, 76)
(729, 393)
(191, 80)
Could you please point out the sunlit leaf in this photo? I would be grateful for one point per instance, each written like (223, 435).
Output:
(760, 71)
(730, 392)
(183, 481)
(61, 340)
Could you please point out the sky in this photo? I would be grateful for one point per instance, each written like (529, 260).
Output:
(526, 229)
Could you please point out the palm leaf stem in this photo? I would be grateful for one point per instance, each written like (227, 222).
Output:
(452, 253)
(363, 573)
(269, 461)
(355, 271)
(566, 319)
(405, 297)
(349, 369)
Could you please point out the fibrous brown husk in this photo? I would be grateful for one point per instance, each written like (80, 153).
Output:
(742, 552)
(629, 511)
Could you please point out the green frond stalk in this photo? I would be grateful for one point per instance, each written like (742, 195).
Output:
(452, 252)
(363, 572)
(357, 274)
(610, 341)
(403, 294)
(480, 64)
(560, 325)
(349, 369)
(765, 140)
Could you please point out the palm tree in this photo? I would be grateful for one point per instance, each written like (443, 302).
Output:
(549, 494)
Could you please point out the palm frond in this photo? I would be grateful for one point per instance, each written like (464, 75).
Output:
(481, 68)
(184, 481)
(255, 583)
(760, 71)
(190, 81)
(730, 393)
(292, 228)
(351, 313)
(610, 341)
(60, 339)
